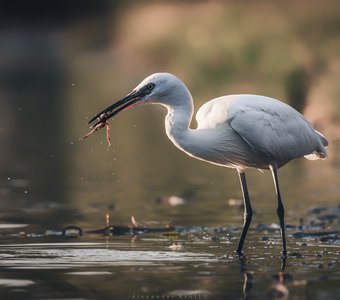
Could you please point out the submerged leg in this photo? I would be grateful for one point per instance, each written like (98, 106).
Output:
(248, 212)
(280, 210)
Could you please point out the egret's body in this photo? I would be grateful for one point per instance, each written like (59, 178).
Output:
(236, 131)
(241, 131)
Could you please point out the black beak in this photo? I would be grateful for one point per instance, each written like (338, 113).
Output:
(115, 108)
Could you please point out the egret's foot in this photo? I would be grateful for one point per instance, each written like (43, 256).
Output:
(240, 254)
(283, 264)
(228, 257)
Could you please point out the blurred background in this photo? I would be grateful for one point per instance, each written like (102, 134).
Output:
(61, 62)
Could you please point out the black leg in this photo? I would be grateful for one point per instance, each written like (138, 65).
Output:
(248, 212)
(280, 211)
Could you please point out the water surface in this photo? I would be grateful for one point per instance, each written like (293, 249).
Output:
(145, 267)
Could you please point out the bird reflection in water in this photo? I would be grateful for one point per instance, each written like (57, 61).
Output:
(277, 290)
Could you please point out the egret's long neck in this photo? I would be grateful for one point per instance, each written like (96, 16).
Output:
(177, 123)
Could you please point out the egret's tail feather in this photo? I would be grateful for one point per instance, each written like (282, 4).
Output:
(321, 153)
(322, 138)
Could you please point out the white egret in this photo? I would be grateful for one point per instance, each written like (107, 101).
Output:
(235, 131)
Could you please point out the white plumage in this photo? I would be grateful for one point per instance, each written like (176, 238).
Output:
(237, 131)
(272, 129)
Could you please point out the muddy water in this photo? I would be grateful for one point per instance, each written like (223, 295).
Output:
(198, 265)
(196, 260)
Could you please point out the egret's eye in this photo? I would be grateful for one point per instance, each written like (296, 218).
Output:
(150, 86)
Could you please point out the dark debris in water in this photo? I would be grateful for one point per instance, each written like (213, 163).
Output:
(323, 235)
(320, 224)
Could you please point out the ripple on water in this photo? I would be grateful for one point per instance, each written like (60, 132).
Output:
(90, 273)
(66, 258)
(7, 282)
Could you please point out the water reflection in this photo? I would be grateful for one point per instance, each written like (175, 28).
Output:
(35, 166)
(277, 290)
(35, 92)
(248, 278)
(144, 266)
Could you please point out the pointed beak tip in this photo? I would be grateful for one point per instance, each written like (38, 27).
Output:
(115, 108)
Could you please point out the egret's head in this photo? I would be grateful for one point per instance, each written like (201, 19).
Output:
(162, 88)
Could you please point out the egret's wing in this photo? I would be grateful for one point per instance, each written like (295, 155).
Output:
(274, 128)
(214, 112)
